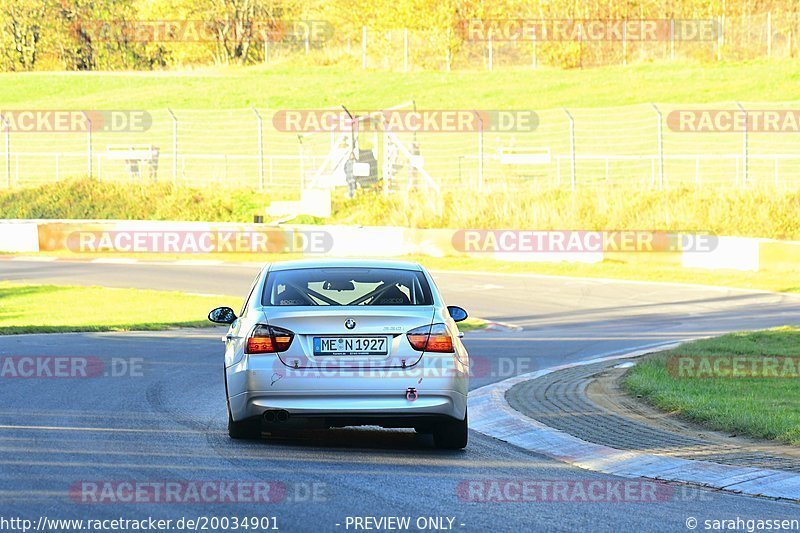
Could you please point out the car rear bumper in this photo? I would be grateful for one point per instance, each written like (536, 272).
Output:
(366, 404)
(258, 385)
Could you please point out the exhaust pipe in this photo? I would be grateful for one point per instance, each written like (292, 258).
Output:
(276, 416)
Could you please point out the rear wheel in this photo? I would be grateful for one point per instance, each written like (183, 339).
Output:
(452, 434)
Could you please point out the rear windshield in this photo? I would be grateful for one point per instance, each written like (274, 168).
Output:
(346, 286)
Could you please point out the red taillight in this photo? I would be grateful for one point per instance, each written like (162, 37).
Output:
(418, 337)
(268, 339)
(434, 338)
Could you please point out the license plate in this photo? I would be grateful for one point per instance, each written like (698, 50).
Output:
(351, 346)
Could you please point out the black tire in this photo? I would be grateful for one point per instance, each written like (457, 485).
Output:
(452, 434)
(246, 429)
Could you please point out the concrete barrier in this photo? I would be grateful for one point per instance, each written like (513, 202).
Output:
(19, 236)
(738, 253)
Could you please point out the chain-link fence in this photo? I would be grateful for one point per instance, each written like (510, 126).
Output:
(573, 44)
(442, 45)
(643, 146)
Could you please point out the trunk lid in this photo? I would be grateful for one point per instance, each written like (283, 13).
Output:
(350, 337)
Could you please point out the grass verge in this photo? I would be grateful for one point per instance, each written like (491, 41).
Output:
(633, 268)
(735, 212)
(54, 309)
(290, 86)
(767, 408)
(471, 324)
(92, 199)
(59, 309)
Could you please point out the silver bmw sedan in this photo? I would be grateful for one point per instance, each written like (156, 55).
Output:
(336, 342)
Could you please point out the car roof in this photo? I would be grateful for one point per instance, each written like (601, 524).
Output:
(328, 262)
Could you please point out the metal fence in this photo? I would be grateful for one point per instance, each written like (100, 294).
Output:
(764, 35)
(448, 45)
(634, 146)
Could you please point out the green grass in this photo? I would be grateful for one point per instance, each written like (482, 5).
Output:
(767, 408)
(735, 212)
(89, 199)
(636, 270)
(642, 269)
(757, 212)
(53, 308)
(744, 213)
(219, 147)
(218, 139)
(59, 308)
(288, 86)
(472, 324)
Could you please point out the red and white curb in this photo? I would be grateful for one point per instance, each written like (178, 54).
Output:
(491, 415)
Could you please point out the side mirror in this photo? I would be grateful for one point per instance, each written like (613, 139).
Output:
(222, 315)
(457, 313)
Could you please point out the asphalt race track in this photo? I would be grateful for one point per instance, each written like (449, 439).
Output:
(163, 418)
